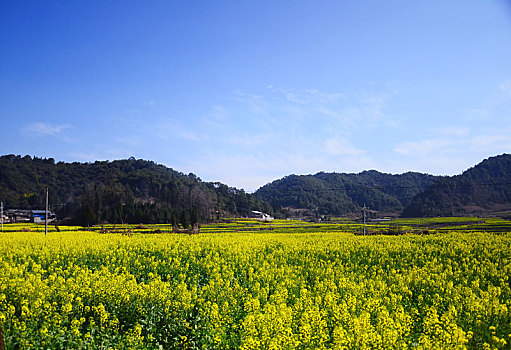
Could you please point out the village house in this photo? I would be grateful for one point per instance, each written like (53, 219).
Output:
(254, 214)
(25, 215)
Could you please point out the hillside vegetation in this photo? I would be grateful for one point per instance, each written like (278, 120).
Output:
(481, 190)
(342, 194)
(484, 188)
(129, 190)
(140, 191)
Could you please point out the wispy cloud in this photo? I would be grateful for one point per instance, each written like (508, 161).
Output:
(451, 131)
(457, 141)
(491, 142)
(252, 138)
(42, 129)
(251, 103)
(451, 150)
(172, 129)
(436, 141)
(341, 147)
(309, 96)
(353, 109)
(423, 147)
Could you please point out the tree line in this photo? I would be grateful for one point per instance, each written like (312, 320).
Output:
(129, 190)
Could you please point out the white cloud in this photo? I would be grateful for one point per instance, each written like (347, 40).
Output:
(436, 164)
(42, 129)
(309, 96)
(393, 124)
(238, 170)
(248, 140)
(349, 110)
(251, 139)
(255, 166)
(172, 129)
(189, 135)
(451, 131)
(494, 143)
(456, 149)
(423, 147)
(341, 147)
(219, 113)
(251, 103)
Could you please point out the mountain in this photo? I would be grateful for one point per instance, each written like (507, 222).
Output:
(342, 194)
(129, 190)
(482, 189)
(140, 191)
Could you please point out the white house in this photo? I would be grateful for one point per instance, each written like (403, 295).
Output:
(254, 214)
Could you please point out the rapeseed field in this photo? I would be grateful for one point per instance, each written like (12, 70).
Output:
(255, 290)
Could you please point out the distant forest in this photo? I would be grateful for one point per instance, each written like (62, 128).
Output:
(344, 194)
(121, 191)
(139, 191)
(481, 190)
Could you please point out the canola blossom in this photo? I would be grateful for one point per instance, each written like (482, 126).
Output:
(249, 290)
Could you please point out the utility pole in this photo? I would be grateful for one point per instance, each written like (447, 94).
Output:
(364, 209)
(46, 214)
(2, 214)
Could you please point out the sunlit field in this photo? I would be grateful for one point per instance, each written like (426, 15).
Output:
(247, 285)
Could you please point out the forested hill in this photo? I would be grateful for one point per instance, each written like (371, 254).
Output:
(130, 190)
(341, 194)
(484, 188)
(139, 191)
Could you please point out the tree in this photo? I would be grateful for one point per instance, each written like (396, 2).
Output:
(184, 219)
(88, 216)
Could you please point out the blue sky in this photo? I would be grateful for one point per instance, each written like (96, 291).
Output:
(245, 92)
